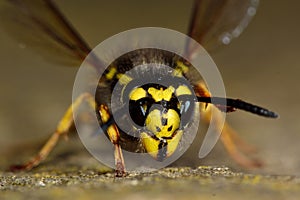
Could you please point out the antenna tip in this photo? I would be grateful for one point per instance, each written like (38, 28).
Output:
(270, 114)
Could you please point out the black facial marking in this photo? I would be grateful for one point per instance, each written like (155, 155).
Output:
(162, 152)
(164, 121)
(158, 129)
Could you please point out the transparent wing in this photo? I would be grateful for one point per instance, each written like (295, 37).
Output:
(40, 25)
(217, 22)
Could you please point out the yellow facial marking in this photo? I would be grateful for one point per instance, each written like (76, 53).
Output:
(137, 93)
(152, 145)
(154, 123)
(183, 90)
(161, 94)
(173, 143)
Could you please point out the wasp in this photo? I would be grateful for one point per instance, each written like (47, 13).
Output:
(155, 109)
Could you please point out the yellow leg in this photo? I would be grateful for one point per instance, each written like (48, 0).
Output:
(234, 145)
(63, 128)
(114, 137)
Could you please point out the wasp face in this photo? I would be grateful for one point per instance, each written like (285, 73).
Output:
(157, 109)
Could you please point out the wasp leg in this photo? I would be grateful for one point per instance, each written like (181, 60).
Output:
(231, 146)
(240, 143)
(63, 128)
(235, 146)
(114, 136)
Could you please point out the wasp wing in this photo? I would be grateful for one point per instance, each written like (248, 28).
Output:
(41, 25)
(214, 23)
(217, 22)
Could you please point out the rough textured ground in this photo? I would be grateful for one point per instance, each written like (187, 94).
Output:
(177, 183)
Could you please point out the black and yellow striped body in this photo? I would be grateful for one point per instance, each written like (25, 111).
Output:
(152, 99)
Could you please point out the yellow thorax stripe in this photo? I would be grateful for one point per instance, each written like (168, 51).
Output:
(123, 78)
(161, 94)
(111, 73)
(180, 69)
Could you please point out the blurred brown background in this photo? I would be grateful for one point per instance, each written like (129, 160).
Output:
(261, 66)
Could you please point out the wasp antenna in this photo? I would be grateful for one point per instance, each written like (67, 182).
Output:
(238, 104)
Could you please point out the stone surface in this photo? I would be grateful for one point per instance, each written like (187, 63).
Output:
(51, 182)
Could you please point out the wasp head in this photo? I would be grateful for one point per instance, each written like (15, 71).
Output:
(157, 109)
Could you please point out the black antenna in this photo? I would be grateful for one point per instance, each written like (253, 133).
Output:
(231, 104)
